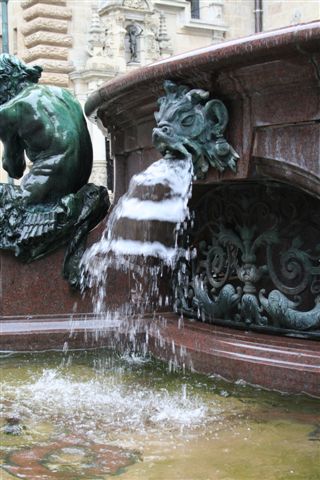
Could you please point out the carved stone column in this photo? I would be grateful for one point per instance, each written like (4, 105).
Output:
(163, 38)
(99, 68)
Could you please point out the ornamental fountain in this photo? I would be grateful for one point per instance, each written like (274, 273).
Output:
(252, 235)
(242, 255)
(219, 237)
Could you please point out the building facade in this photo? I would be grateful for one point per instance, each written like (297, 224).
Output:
(84, 43)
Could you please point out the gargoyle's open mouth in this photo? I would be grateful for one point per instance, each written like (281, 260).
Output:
(167, 145)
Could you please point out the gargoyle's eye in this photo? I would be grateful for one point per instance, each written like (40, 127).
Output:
(187, 121)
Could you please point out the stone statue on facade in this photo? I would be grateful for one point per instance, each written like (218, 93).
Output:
(54, 205)
(134, 32)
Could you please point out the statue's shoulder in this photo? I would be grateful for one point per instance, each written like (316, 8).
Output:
(41, 91)
(19, 108)
(35, 96)
(26, 96)
(33, 92)
(12, 109)
(55, 95)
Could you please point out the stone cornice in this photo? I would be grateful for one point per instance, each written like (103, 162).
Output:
(173, 4)
(92, 74)
(201, 26)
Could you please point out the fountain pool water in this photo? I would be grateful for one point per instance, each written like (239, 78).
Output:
(87, 414)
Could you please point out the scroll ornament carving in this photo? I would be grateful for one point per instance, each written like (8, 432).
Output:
(136, 4)
(257, 262)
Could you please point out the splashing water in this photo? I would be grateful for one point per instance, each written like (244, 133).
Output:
(74, 406)
(141, 232)
(106, 403)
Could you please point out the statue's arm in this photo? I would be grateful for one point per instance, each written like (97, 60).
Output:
(13, 159)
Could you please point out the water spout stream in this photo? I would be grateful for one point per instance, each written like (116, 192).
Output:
(141, 232)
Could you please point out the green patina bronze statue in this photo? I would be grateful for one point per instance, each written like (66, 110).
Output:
(47, 124)
(54, 203)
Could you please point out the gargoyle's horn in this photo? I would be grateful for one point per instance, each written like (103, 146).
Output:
(172, 89)
(197, 96)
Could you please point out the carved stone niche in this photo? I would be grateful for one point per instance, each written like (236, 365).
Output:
(133, 43)
(132, 28)
(255, 254)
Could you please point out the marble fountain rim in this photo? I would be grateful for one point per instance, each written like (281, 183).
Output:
(242, 52)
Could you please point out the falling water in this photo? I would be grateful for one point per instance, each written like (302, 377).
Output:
(141, 233)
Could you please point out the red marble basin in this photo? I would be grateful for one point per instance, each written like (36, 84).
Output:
(270, 85)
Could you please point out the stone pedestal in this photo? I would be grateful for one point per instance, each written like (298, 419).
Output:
(38, 288)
